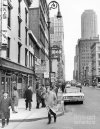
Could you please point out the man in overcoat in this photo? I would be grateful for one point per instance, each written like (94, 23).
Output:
(38, 96)
(51, 104)
(28, 98)
(5, 103)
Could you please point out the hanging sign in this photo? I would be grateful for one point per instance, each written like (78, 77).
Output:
(4, 21)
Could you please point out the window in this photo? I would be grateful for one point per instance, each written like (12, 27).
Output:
(99, 63)
(19, 80)
(19, 28)
(99, 70)
(26, 57)
(98, 48)
(26, 35)
(8, 48)
(29, 59)
(19, 6)
(99, 55)
(26, 15)
(19, 52)
(9, 16)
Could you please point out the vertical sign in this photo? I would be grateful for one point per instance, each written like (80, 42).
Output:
(4, 21)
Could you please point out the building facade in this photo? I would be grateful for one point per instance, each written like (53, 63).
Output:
(39, 25)
(57, 50)
(85, 61)
(88, 24)
(76, 62)
(95, 52)
(17, 60)
(83, 55)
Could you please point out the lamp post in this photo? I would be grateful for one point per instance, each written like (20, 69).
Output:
(51, 5)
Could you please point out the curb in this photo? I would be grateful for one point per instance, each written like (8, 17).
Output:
(34, 119)
(97, 88)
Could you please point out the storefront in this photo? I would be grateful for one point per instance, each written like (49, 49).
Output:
(12, 74)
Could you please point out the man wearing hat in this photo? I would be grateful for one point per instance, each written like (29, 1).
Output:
(5, 103)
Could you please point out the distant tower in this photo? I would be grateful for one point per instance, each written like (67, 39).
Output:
(88, 24)
(57, 47)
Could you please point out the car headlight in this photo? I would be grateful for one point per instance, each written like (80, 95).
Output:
(65, 97)
(82, 96)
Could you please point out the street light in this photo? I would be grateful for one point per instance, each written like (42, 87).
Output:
(52, 5)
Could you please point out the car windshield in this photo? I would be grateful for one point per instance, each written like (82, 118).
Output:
(72, 90)
(68, 85)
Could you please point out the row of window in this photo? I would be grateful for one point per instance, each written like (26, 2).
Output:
(31, 56)
(19, 19)
(87, 57)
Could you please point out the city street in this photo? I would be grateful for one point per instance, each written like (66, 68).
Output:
(46, 44)
(77, 116)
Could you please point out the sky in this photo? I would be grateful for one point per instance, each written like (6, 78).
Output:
(71, 11)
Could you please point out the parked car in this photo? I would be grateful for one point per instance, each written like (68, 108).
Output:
(68, 85)
(79, 85)
(73, 94)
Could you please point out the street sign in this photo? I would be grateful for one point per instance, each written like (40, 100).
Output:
(46, 74)
(40, 69)
(53, 77)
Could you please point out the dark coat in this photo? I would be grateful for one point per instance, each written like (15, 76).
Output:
(42, 92)
(4, 107)
(38, 95)
(28, 95)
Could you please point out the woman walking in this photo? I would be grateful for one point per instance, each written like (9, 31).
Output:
(15, 99)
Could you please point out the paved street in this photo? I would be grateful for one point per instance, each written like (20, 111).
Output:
(77, 116)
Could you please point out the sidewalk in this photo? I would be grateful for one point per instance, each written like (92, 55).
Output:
(34, 114)
(98, 88)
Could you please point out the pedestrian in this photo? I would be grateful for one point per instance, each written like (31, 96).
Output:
(28, 98)
(43, 93)
(55, 89)
(5, 103)
(15, 99)
(80, 88)
(63, 87)
(1, 93)
(38, 95)
(51, 104)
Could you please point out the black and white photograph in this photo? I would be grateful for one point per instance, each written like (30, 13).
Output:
(49, 64)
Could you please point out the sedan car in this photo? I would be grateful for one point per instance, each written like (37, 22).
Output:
(68, 85)
(73, 94)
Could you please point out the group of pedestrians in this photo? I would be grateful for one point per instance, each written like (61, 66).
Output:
(40, 95)
(48, 98)
(45, 96)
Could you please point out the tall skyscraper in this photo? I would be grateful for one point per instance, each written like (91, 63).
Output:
(88, 24)
(57, 44)
(56, 31)
(89, 36)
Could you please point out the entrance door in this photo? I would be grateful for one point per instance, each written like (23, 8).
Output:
(8, 86)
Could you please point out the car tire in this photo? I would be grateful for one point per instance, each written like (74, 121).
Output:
(81, 102)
